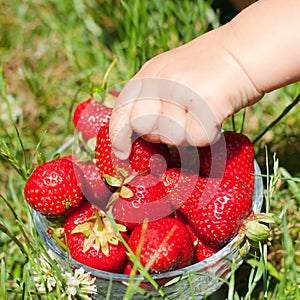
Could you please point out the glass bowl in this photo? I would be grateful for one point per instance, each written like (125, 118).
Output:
(193, 282)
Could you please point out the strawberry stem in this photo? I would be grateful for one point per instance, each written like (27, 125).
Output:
(57, 239)
(100, 224)
(104, 82)
(112, 200)
(120, 182)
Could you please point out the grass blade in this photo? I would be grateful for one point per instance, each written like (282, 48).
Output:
(3, 294)
(274, 123)
(292, 182)
(5, 230)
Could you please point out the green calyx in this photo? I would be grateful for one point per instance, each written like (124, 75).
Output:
(121, 179)
(120, 182)
(257, 229)
(99, 232)
(254, 230)
(99, 91)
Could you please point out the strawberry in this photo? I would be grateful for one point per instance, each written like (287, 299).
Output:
(145, 157)
(164, 243)
(95, 190)
(88, 117)
(147, 201)
(202, 249)
(54, 187)
(215, 208)
(92, 241)
(232, 156)
(173, 177)
(79, 110)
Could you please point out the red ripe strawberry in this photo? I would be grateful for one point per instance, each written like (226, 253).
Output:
(145, 157)
(127, 269)
(232, 156)
(54, 187)
(173, 177)
(166, 242)
(89, 116)
(92, 241)
(202, 249)
(215, 208)
(147, 201)
(95, 190)
(79, 110)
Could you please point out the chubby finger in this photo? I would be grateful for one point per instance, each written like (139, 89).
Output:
(201, 134)
(157, 115)
(146, 110)
(171, 125)
(202, 126)
(120, 130)
(145, 115)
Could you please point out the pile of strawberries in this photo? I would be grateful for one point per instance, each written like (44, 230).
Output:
(169, 215)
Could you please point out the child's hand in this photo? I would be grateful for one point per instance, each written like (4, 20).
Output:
(184, 95)
(181, 96)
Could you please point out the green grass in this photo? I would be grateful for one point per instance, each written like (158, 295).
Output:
(50, 50)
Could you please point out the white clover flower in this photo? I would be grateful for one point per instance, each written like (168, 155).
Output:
(71, 291)
(49, 277)
(51, 283)
(80, 284)
(40, 287)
